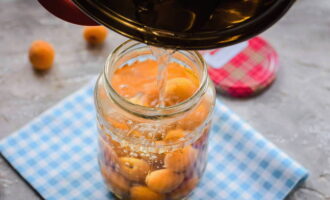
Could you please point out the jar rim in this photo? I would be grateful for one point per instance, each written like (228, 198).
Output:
(153, 112)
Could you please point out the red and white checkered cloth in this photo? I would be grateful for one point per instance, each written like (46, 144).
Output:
(244, 69)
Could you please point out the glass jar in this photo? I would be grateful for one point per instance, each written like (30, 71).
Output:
(152, 152)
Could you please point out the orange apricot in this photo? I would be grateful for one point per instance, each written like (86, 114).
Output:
(118, 184)
(95, 35)
(174, 135)
(178, 90)
(163, 180)
(133, 169)
(41, 55)
(180, 160)
(144, 193)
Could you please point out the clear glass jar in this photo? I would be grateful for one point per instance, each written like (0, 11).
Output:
(152, 152)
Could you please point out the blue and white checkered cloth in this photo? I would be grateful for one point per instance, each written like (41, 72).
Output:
(57, 154)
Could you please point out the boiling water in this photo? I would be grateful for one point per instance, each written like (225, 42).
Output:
(163, 57)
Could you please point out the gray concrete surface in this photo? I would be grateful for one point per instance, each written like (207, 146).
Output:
(294, 113)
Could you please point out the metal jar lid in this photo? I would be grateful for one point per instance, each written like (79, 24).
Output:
(244, 69)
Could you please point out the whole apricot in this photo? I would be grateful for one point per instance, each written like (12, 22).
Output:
(144, 193)
(178, 90)
(41, 55)
(164, 180)
(180, 160)
(95, 35)
(134, 169)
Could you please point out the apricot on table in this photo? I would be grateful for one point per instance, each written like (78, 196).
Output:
(180, 160)
(178, 90)
(134, 169)
(41, 55)
(164, 180)
(95, 35)
(144, 193)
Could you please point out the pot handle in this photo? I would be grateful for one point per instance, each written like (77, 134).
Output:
(67, 11)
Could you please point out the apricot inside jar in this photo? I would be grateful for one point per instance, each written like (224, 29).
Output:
(152, 147)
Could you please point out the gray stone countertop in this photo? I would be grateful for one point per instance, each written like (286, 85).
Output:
(294, 113)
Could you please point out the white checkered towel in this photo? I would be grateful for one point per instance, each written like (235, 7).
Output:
(57, 154)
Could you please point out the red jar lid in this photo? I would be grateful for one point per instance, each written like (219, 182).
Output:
(243, 69)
